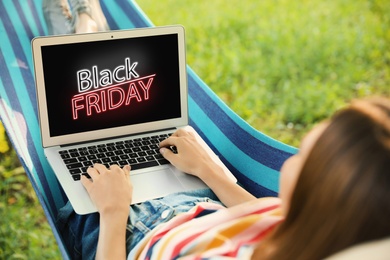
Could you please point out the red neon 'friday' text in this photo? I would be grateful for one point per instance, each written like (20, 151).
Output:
(103, 99)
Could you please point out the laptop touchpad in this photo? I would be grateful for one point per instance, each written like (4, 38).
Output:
(154, 184)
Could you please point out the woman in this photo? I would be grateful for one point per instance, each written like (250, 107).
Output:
(343, 189)
(333, 193)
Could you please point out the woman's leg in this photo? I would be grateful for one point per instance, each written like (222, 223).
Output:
(62, 18)
(147, 215)
(57, 16)
(80, 233)
(90, 9)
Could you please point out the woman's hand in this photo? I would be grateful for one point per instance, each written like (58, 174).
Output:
(110, 189)
(191, 157)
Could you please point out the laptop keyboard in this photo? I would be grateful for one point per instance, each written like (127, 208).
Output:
(139, 153)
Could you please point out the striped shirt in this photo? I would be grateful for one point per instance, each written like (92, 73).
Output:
(210, 231)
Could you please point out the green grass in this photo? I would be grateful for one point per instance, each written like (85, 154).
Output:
(281, 65)
(284, 65)
(24, 231)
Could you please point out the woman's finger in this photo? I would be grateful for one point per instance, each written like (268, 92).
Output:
(181, 132)
(100, 168)
(115, 167)
(87, 183)
(93, 173)
(127, 169)
(169, 141)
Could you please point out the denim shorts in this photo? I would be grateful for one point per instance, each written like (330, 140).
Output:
(80, 232)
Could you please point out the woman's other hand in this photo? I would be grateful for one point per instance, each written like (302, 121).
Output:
(110, 189)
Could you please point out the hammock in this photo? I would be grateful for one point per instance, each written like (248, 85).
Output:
(254, 158)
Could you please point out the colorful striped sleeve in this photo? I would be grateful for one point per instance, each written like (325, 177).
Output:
(210, 231)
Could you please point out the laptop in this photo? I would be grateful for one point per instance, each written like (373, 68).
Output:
(110, 98)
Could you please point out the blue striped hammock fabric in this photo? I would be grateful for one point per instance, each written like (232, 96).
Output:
(253, 157)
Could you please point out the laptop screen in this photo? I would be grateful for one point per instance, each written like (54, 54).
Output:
(111, 83)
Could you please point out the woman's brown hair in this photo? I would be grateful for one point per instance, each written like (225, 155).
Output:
(342, 196)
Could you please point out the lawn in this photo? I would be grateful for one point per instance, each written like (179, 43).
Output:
(281, 65)
(285, 65)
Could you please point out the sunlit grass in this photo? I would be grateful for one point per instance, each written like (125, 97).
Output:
(24, 231)
(284, 65)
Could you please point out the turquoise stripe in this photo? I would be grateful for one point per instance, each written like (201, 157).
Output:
(17, 79)
(261, 174)
(137, 9)
(239, 121)
(30, 19)
(38, 7)
(21, 33)
(4, 98)
(29, 115)
(120, 17)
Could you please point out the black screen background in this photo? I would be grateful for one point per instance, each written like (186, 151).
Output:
(154, 54)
